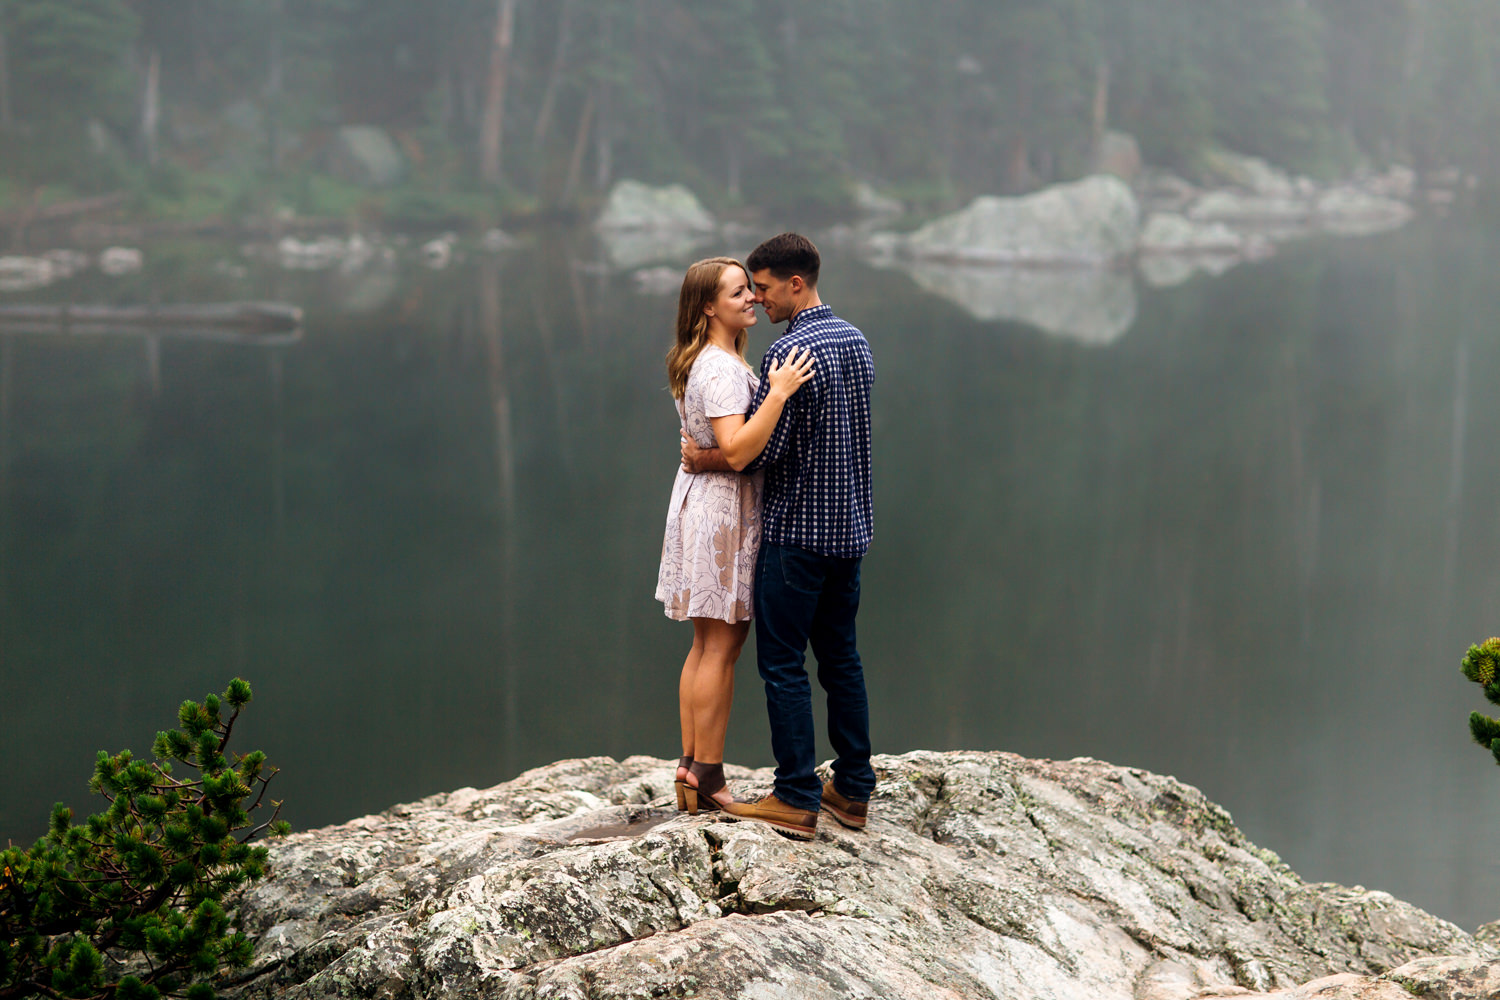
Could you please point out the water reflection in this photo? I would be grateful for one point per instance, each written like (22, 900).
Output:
(1090, 305)
(627, 249)
(1245, 544)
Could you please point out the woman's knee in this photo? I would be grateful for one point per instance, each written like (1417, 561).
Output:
(722, 641)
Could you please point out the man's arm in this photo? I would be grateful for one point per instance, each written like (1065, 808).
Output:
(696, 459)
(780, 441)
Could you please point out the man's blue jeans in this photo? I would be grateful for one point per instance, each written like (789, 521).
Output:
(802, 597)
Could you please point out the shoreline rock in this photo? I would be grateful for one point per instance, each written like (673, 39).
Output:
(1087, 223)
(981, 875)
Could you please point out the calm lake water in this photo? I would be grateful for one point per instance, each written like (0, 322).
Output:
(1243, 535)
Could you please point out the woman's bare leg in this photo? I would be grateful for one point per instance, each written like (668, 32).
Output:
(685, 687)
(713, 689)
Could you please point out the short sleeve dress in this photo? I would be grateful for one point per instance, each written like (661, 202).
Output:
(713, 521)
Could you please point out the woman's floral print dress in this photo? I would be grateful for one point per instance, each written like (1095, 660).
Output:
(713, 523)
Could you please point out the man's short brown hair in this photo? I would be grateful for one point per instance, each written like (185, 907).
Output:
(786, 255)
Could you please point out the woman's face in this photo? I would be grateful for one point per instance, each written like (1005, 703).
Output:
(734, 304)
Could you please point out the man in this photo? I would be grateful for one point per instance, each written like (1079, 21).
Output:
(816, 524)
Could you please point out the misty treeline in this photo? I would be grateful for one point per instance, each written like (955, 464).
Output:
(546, 102)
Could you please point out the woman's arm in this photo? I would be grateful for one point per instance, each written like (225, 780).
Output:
(740, 440)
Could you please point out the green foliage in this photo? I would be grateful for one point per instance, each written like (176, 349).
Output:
(129, 904)
(1481, 664)
(773, 102)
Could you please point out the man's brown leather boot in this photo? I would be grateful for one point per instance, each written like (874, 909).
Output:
(778, 815)
(847, 811)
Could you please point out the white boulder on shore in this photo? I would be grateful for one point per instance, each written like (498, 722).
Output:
(1093, 221)
(632, 205)
(981, 875)
(643, 225)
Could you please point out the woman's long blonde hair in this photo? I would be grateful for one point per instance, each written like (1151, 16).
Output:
(700, 286)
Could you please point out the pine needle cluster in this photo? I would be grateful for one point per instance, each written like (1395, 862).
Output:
(129, 905)
(1481, 664)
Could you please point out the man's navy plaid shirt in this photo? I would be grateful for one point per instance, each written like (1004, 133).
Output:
(817, 492)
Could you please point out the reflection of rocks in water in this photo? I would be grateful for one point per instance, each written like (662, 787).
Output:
(1161, 271)
(1092, 305)
(367, 290)
(628, 249)
(1168, 270)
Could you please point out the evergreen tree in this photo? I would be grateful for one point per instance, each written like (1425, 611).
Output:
(1368, 46)
(740, 106)
(1157, 78)
(761, 101)
(130, 903)
(65, 65)
(67, 60)
(1267, 79)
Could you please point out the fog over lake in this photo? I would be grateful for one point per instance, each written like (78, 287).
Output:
(1245, 541)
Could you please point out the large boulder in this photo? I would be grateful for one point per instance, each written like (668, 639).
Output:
(1164, 191)
(1348, 210)
(366, 155)
(1173, 248)
(1251, 173)
(871, 204)
(1090, 222)
(980, 875)
(632, 205)
(1253, 209)
(643, 225)
(1169, 233)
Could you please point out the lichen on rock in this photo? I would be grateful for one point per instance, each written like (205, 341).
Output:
(980, 875)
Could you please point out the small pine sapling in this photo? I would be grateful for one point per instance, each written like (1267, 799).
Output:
(130, 904)
(1481, 664)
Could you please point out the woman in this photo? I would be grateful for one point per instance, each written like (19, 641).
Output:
(713, 523)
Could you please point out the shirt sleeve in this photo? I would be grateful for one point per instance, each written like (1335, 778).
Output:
(781, 437)
(726, 389)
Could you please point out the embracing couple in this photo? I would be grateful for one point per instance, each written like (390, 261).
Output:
(770, 516)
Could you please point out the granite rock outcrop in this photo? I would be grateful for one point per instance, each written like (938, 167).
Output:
(980, 875)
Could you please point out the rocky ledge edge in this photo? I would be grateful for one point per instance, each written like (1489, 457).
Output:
(980, 875)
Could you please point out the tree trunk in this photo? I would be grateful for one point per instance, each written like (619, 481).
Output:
(1017, 164)
(580, 144)
(1411, 69)
(604, 167)
(1018, 154)
(151, 106)
(4, 83)
(732, 154)
(273, 87)
(554, 77)
(493, 118)
(1101, 104)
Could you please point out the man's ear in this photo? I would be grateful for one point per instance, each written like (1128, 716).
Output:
(797, 284)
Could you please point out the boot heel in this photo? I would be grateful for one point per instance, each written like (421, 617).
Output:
(684, 763)
(690, 796)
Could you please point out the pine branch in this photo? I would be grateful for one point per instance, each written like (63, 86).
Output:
(162, 845)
